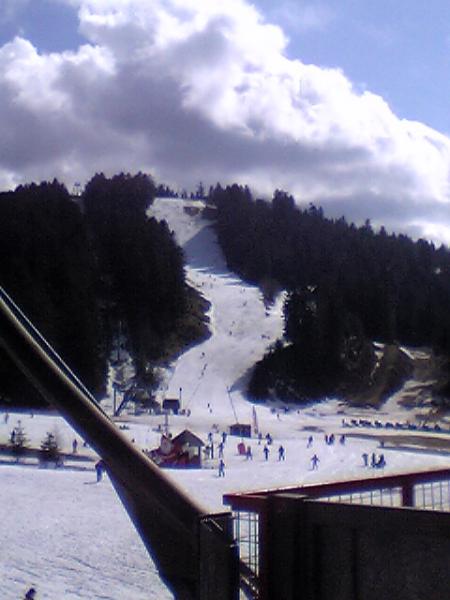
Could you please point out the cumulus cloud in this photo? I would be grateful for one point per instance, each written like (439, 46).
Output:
(195, 90)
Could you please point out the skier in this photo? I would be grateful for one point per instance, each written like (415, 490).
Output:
(266, 452)
(310, 441)
(365, 458)
(220, 448)
(99, 468)
(221, 468)
(281, 453)
(249, 454)
(315, 462)
(342, 440)
(381, 463)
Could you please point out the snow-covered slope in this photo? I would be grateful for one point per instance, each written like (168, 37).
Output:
(241, 326)
(72, 539)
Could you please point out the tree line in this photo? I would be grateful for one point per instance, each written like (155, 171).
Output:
(91, 272)
(345, 285)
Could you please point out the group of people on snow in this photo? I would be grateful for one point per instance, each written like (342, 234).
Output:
(376, 462)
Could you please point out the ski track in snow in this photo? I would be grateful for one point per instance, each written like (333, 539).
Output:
(72, 539)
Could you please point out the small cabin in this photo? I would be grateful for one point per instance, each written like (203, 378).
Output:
(241, 430)
(184, 450)
(188, 442)
(192, 211)
(172, 405)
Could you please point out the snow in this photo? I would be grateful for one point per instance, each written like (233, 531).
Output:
(71, 538)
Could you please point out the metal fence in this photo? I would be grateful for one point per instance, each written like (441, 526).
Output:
(246, 531)
(434, 495)
(428, 490)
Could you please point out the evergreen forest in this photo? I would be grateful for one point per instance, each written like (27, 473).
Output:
(94, 274)
(346, 286)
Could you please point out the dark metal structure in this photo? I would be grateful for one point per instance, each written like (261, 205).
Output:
(364, 539)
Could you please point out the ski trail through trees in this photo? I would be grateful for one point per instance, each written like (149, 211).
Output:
(242, 328)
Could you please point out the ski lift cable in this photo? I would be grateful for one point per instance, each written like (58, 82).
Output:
(193, 393)
(232, 404)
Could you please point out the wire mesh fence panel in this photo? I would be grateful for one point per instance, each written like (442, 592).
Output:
(246, 532)
(382, 497)
(432, 496)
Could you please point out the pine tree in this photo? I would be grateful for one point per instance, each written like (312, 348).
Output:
(18, 439)
(50, 450)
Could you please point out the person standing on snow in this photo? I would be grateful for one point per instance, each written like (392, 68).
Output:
(221, 468)
(99, 468)
(381, 463)
(281, 453)
(266, 452)
(315, 462)
(220, 448)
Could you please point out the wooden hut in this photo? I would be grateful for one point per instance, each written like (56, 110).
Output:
(241, 430)
(184, 450)
(188, 442)
(172, 405)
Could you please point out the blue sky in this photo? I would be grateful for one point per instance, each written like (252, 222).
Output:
(400, 50)
(342, 102)
(51, 26)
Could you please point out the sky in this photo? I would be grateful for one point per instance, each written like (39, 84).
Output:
(342, 103)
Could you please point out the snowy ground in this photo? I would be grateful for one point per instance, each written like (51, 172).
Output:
(71, 537)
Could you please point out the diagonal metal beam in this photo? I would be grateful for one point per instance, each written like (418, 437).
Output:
(169, 522)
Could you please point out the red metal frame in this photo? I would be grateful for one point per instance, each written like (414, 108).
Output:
(254, 501)
(258, 501)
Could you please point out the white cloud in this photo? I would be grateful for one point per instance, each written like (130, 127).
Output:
(202, 89)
